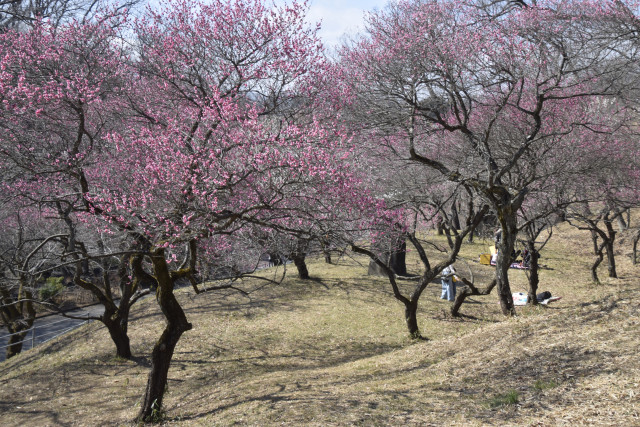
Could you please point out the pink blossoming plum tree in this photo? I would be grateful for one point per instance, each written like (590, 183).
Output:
(216, 143)
(60, 89)
(486, 93)
(177, 147)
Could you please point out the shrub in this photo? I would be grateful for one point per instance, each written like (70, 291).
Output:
(52, 286)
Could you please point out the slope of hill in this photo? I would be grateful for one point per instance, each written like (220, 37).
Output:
(335, 351)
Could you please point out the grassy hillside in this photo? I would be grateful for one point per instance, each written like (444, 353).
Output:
(335, 351)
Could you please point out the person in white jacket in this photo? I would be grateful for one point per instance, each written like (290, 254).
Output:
(448, 286)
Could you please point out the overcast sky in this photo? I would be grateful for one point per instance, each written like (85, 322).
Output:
(340, 16)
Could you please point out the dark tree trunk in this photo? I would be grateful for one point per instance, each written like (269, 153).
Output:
(447, 234)
(395, 260)
(398, 258)
(468, 290)
(118, 334)
(611, 260)
(469, 219)
(504, 290)
(161, 356)
(594, 267)
(598, 251)
(534, 278)
(411, 303)
(18, 316)
(301, 265)
(162, 353)
(411, 317)
(455, 217)
(14, 345)
(276, 258)
(461, 296)
(326, 251)
(116, 316)
(503, 262)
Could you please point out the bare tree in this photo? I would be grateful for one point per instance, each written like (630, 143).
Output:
(21, 14)
(26, 247)
(487, 111)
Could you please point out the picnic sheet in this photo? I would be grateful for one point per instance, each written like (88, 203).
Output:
(520, 298)
(515, 265)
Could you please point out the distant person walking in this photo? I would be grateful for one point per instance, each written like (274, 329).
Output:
(448, 286)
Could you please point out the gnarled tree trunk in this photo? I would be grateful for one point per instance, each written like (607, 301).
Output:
(508, 222)
(301, 265)
(162, 353)
(411, 318)
(598, 251)
(18, 316)
(534, 278)
(116, 315)
(118, 335)
(467, 291)
(19, 328)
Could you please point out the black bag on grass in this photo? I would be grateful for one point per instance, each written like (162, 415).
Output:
(543, 296)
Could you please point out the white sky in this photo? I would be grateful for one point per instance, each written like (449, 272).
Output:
(340, 16)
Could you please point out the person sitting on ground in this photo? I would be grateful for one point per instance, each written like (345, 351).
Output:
(514, 255)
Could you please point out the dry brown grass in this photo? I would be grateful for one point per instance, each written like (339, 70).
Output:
(334, 351)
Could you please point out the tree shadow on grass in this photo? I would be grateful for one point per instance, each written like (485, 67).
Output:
(56, 397)
(265, 397)
(43, 417)
(290, 299)
(308, 356)
(561, 365)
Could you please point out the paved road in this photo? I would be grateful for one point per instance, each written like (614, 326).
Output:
(50, 326)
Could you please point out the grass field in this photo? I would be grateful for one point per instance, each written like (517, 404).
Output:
(335, 351)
